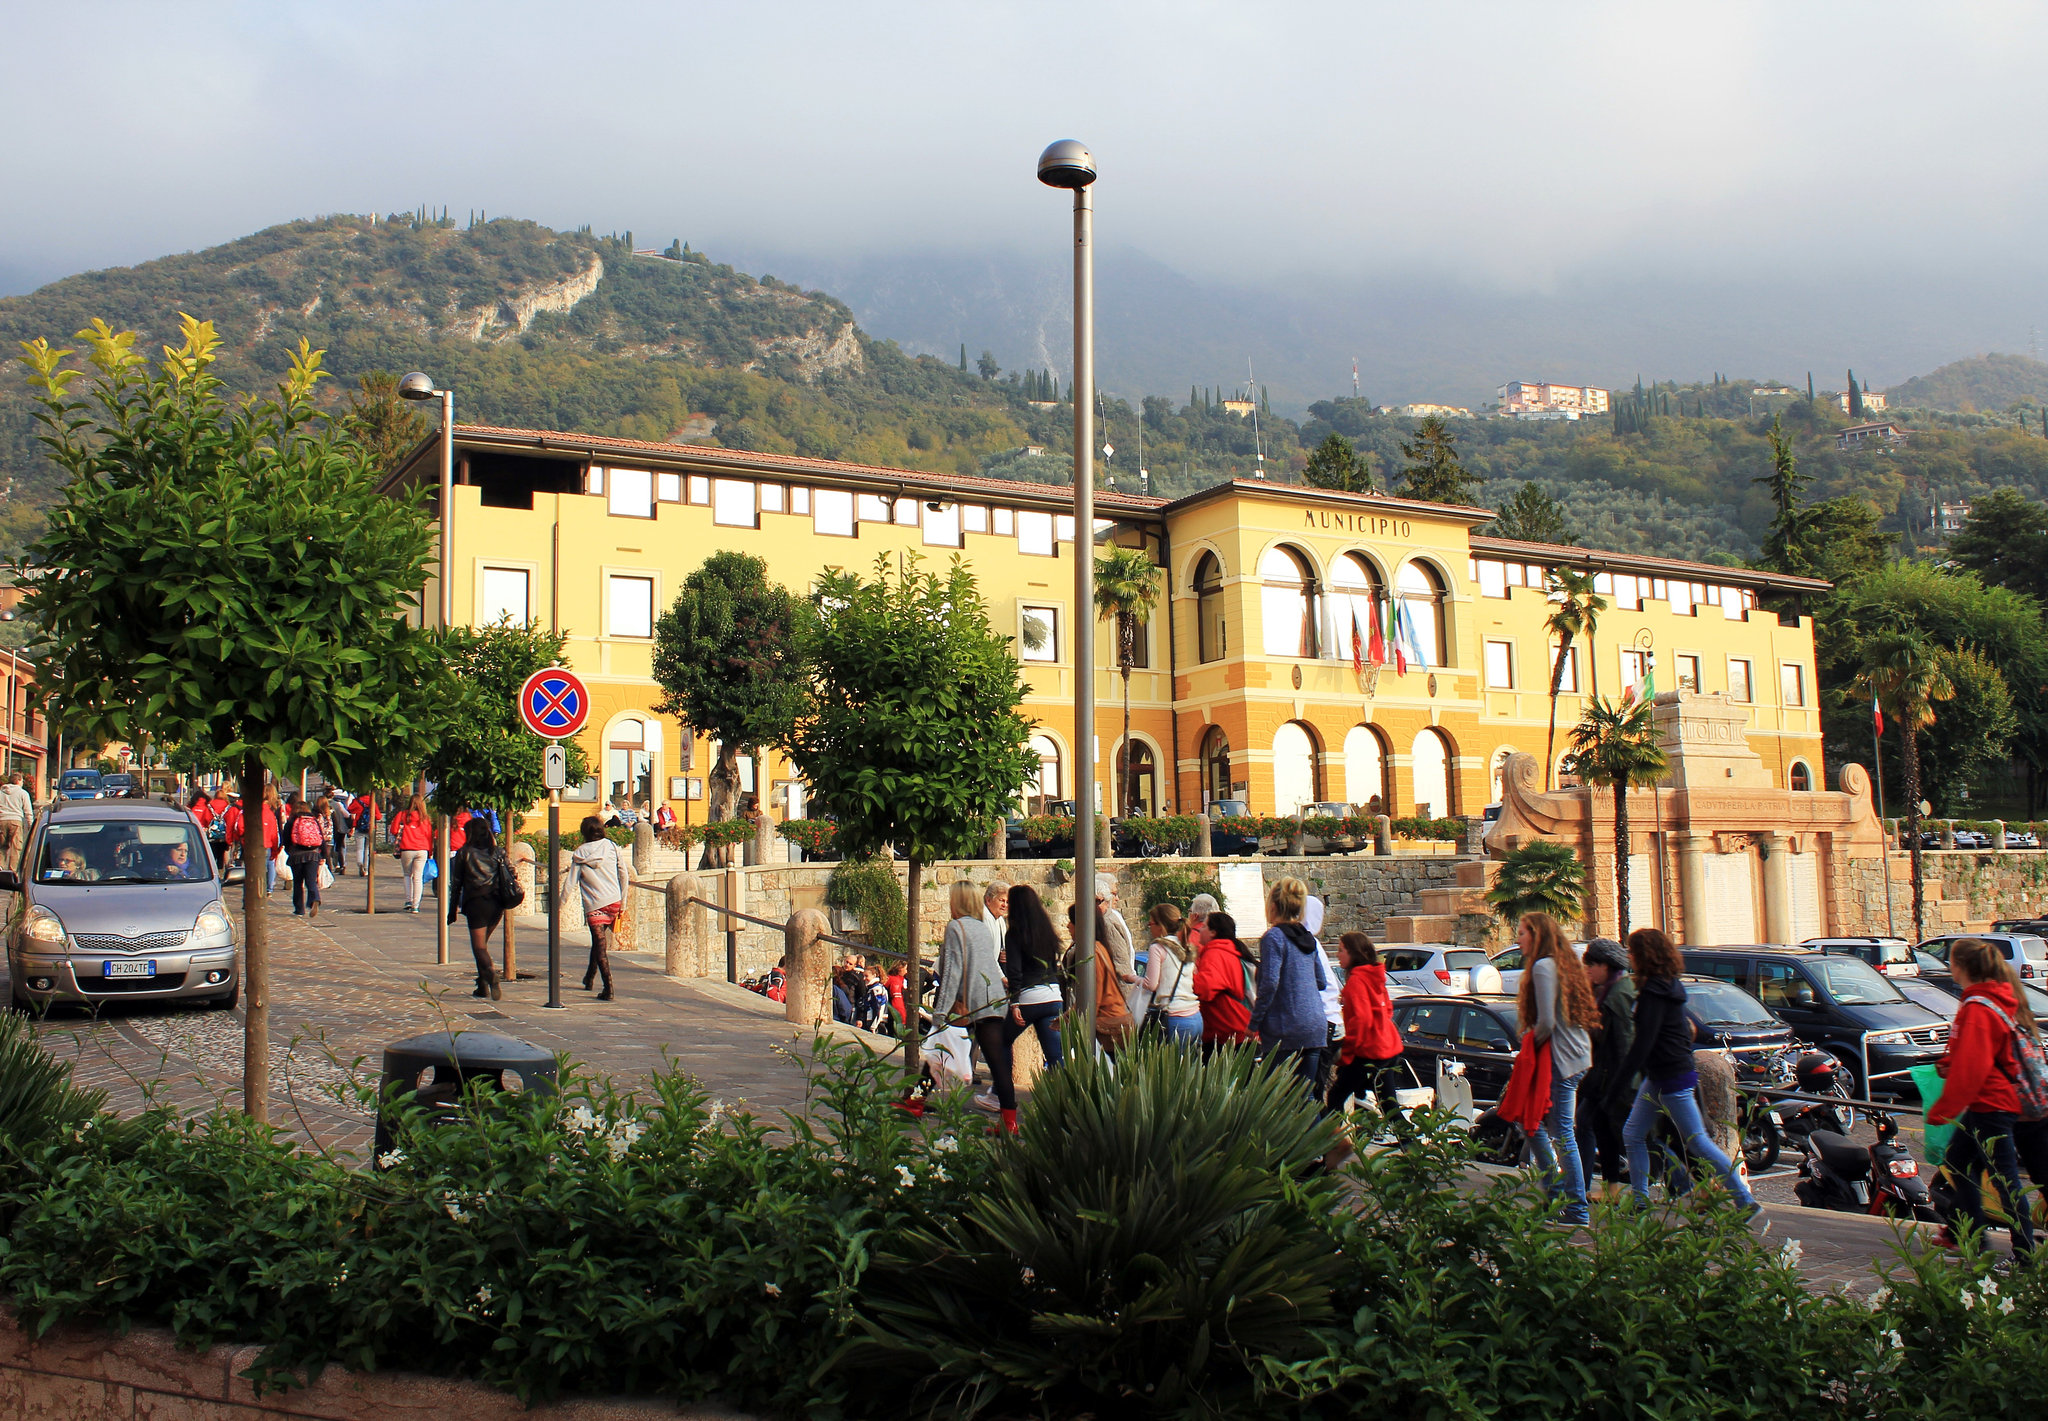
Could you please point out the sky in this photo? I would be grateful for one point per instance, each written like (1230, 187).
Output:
(1685, 161)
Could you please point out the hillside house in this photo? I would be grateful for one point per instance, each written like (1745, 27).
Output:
(1524, 398)
(1881, 435)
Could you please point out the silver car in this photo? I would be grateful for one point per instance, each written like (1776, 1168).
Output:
(1440, 968)
(118, 900)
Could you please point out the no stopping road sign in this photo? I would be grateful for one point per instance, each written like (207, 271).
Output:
(553, 703)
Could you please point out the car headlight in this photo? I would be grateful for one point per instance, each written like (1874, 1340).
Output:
(42, 925)
(212, 922)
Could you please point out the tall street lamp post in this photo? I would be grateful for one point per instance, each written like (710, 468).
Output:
(420, 386)
(1068, 164)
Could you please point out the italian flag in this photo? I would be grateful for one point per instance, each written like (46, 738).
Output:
(1877, 715)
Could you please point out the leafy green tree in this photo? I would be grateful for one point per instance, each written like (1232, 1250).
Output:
(1575, 611)
(1616, 745)
(1542, 876)
(1126, 586)
(486, 757)
(228, 575)
(1434, 474)
(2005, 542)
(1533, 516)
(1978, 726)
(386, 426)
(1785, 484)
(1904, 675)
(729, 656)
(986, 364)
(1334, 464)
(913, 736)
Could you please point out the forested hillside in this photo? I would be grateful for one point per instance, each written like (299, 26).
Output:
(1983, 383)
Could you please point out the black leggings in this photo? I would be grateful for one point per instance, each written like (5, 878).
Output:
(1357, 1078)
(1984, 1142)
(992, 1035)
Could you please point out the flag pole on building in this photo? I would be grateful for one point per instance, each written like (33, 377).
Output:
(1877, 758)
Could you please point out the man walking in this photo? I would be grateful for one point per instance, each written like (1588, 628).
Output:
(16, 812)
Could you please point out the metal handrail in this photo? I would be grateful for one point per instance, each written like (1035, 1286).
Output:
(1775, 1093)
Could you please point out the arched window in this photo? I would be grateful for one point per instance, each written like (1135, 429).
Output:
(1499, 771)
(1044, 787)
(1431, 759)
(1802, 777)
(1365, 770)
(1287, 603)
(629, 755)
(1216, 764)
(1355, 599)
(1212, 643)
(1141, 781)
(1421, 596)
(1294, 768)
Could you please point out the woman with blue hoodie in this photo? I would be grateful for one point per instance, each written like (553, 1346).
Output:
(1287, 1015)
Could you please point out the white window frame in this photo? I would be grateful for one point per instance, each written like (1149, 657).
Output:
(668, 488)
(593, 479)
(800, 498)
(1748, 696)
(1003, 522)
(485, 567)
(1798, 683)
(942, 527)
(905, 515)
(974, 518)
(1050, 655)
(1501, 677)
(726, 497)
(649, 576)
(700, 490)
(771, 499)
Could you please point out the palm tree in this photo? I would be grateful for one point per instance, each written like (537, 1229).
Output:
(1903, 674)
(1615, 744)
(1577, 611)
(1540, 877)
(1126, 584)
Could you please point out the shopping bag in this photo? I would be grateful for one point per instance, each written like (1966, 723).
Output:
(432, 870)
(326, 878)
(949, 1054)
(284, 869)
(1935, 1147)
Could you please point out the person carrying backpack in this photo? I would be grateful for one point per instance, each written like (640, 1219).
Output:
(305, 850)
(1223, 984)
(483, 889)
(1992, 1079)
(601, 877)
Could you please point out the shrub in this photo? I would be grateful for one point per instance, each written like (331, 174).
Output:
(813, 836)
(1045, 828)
(1173, 831)
(1418, 827)
(868, 889)
(1175, 883)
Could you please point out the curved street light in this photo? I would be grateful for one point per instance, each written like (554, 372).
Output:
(418, 385)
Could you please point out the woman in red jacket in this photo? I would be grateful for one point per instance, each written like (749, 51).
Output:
(1223, 978)
(1978, 1072)
(1371, 1046)
(415, 834)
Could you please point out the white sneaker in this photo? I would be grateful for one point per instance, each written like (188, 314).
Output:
(986, 1100)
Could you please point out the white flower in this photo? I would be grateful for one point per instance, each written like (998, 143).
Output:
(771, 1290)
(1878, 1298)
(939, 1173)
(1989, 1287)
(945, 1145)
(1893, 1340)
(391, 1159)
(455, 1210)
(1969, 1300)
(484, 1295)
(2005, 1304)
(1791, 1253)
(903, 1173)
(580, 1121)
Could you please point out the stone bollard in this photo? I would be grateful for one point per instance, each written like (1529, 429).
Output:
(1948, 833)
(536, 904)
(1203, 850)
(687, 949)
(1475, 836)
(643, 846)
(570, 911)
(1297, 841)
(1997, 834)
(1382, 835)
(999, 843)
(808, 963)
(764, 839)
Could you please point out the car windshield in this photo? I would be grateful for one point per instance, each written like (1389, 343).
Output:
(79, 779)
(1720, 1004)
(123, 851)
(1928, 995)
(1854, 983)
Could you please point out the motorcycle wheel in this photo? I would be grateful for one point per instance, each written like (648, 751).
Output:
(1761, 1141)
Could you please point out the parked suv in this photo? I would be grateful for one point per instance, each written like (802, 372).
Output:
(118, 899)
(1836, 1002)
(1892, 956)
(2027, 952)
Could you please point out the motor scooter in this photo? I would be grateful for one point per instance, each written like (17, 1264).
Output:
(1882, 1179)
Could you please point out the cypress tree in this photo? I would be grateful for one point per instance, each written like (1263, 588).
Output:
(1809, 387)
(963, 357)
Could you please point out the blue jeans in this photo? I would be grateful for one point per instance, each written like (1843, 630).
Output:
(270, 873)
(1043, 1018)
(1187, 1030)
(1557, 1147)
(1684, 1111)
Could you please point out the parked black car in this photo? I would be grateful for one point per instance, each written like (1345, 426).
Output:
(1833, 1001)
(1222, 841)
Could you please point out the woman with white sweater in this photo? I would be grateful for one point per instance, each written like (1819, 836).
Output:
(1555, 1004)
(973, 994)
(1170, 977)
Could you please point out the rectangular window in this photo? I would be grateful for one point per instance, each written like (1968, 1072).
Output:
(1536, 577)
(942, 526)
(833, 512)
(1064, 527)
(1792, 684)
(1634, 664)
(975, 517)
(504, 595)
(629, 605)
(1493, 578)
(1568, 682)
(1689, 673)
(1034, 534)
(873, 508)
(732, 503)
(1515, 571)
(1005, 523)
(1603, 583)
(631, 492)
(700, 489)
(1625, 594)
(593, 479)
(906, 513)
(1738, 680)
(771, 498)
(1681, 599)
(1500, 666)
(800, 500)
(668, 488)
(1733, 601)
(1659, 590)
(1038, 631)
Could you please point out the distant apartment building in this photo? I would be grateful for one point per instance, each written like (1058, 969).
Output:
(1241, 408)
(1947, 518)
(1863, 436)
(1522, 399)
(1420, 411)
(1872, 400)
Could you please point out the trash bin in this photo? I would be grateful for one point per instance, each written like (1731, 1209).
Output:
(454, 1057)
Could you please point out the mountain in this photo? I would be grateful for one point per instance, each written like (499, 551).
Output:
(1983, 382)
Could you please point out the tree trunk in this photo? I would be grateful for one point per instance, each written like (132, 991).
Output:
(1564, 649)
(1911, 766)
(255, 948)
(1129, 796)
(1621, 904)
(913, 968)
(724, 792)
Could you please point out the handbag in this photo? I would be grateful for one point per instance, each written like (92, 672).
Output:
(505, 883)
(1155, 1014)
(326, 879)
(948, 1051)
(432, 870)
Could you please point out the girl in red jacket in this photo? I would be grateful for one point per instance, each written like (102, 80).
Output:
(1223, 982)
(1978, 1072)
(1371, 1045)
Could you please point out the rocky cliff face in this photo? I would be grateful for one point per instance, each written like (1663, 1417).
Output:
(510, 316)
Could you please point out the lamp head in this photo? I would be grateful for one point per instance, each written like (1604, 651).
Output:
(417, 386)
(1067, 164)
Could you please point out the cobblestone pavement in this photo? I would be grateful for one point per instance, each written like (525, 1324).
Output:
(348, 983)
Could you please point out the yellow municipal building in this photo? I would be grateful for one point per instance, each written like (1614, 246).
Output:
(1251, 684)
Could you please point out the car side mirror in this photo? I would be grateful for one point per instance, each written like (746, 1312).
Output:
(10, 881)
(1802, 995)
(237, 874)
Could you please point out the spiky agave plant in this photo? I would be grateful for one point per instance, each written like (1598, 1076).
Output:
(1149, 1234)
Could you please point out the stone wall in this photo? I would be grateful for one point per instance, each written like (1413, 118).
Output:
(1964, 889)
(1360, 892)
